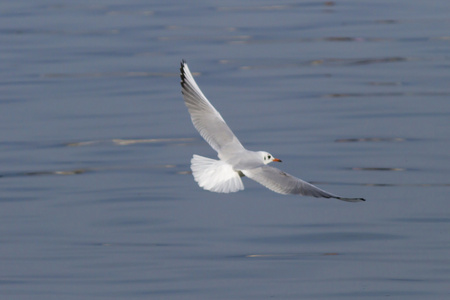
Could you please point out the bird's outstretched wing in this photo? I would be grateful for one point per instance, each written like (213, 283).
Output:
(205, 117)
(283, 183)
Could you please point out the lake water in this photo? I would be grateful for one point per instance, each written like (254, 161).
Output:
(97, 201)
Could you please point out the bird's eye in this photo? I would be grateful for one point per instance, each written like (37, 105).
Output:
(269, 156)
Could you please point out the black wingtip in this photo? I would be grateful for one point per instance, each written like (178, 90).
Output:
(359, 199)
(182, 75)
(350, 199)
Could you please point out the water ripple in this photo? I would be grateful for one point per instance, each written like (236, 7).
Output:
(372, 139)
(126, 142)
(109, 74)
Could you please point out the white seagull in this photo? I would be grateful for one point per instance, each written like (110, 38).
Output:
(224, 175)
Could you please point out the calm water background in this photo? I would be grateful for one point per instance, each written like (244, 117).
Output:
(97, 201)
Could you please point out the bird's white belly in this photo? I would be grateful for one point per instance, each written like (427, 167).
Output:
(243, 160)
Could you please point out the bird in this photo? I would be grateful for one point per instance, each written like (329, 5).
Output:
(224, 175)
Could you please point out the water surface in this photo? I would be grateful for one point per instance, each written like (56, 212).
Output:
(97, 200)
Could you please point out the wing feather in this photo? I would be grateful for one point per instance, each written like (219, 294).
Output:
(284, 183)
(206, 119)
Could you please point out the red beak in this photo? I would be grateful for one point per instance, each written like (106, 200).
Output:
(276, 159)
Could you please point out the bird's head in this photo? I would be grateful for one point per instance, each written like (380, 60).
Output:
(268, 158)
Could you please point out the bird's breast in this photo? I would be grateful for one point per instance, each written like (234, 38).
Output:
(245, 160)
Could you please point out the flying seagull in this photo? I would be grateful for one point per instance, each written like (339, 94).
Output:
(224, 175)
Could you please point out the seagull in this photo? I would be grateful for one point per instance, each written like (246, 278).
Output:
(224, 175)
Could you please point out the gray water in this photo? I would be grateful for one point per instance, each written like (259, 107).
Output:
(97, 201)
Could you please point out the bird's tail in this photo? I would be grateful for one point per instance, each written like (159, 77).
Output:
(215, 175)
